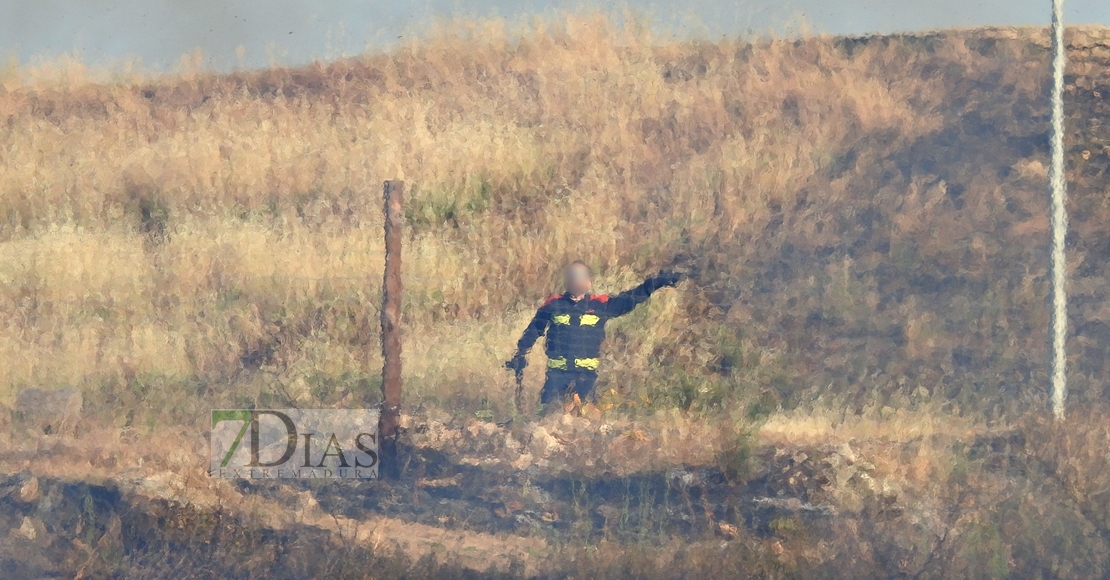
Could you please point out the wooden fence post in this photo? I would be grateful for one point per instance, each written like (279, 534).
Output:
(391, 330)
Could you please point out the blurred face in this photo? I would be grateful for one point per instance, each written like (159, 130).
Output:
(577, 279)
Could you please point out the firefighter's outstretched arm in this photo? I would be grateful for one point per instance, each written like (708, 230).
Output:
(532, 333)
(626, 301)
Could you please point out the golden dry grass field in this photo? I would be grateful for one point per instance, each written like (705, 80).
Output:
(866, 218)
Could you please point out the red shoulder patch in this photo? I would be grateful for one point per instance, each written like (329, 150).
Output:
(552, 298)
(602, 298)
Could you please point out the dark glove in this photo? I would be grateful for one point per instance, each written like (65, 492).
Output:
(666, 278)
(517, 363)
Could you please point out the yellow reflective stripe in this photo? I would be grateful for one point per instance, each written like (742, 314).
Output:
(561, 319)
(589, 320)
(560, 363)
(589, 364)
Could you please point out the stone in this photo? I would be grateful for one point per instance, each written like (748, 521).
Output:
(29, 491)
(727, 530)
(543, 443)
(27, 529)
(522, 462)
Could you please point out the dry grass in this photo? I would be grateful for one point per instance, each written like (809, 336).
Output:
(832, 426)
(196, 227)
(863, 214)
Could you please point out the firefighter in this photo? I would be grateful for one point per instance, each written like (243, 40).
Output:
(574, 323)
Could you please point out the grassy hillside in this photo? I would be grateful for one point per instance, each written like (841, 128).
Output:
(867, 215)
(866, 334)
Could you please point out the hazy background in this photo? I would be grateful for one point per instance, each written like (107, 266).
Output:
(158, 32)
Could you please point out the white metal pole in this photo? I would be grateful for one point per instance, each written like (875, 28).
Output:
(1059, 217)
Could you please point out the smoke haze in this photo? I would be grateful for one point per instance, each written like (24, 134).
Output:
(158, 32)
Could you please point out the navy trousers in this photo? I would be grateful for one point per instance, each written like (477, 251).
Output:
(561, 384)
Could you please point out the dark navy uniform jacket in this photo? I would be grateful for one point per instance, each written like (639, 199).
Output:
(575, 330)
